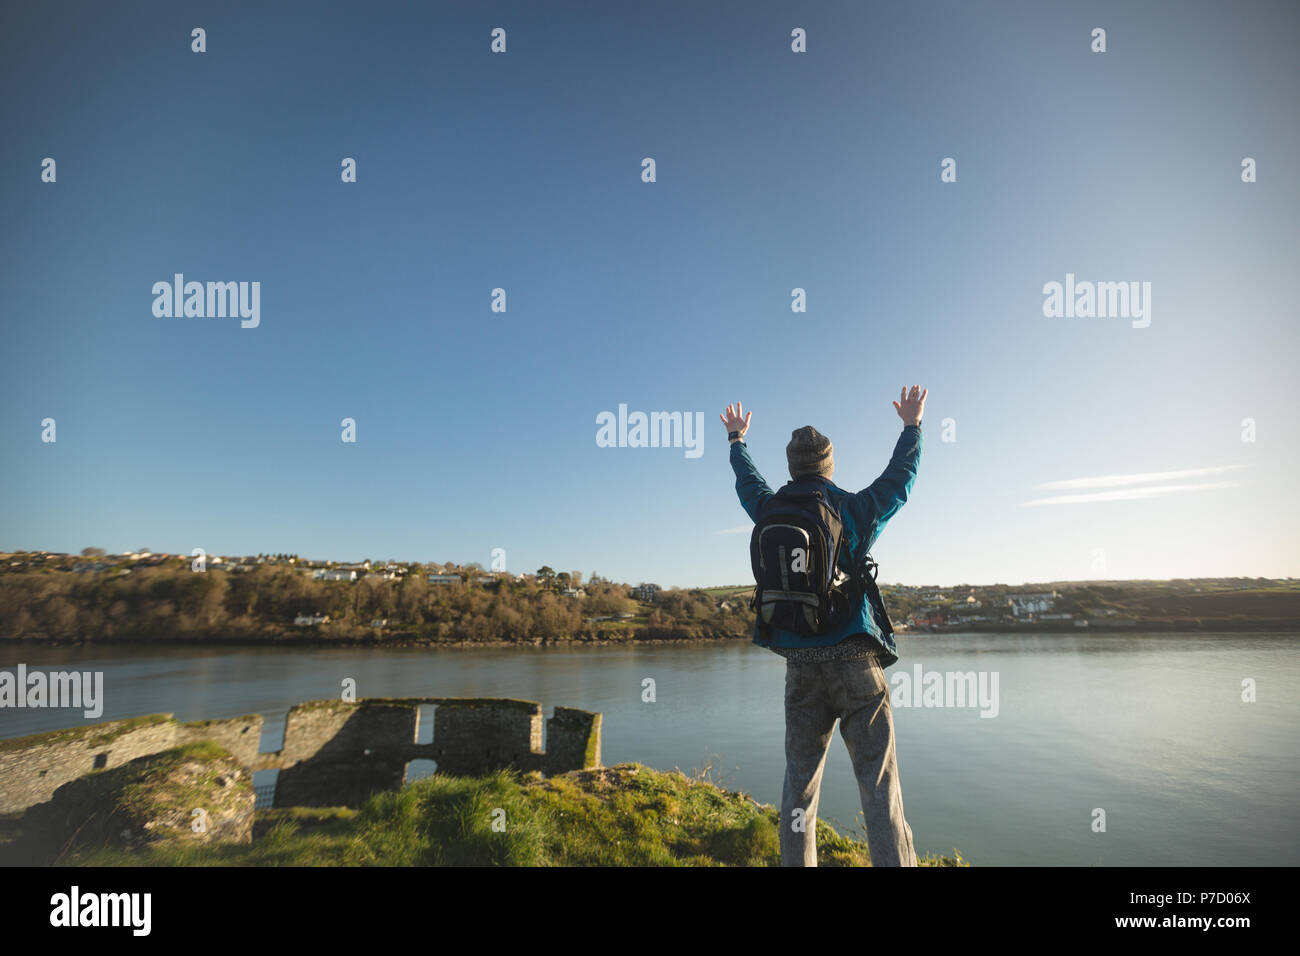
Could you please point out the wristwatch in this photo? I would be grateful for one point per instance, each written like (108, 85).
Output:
(733, 436)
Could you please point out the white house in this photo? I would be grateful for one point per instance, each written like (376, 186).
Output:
(306, 620)
(1023, 605)
(332, 574)
(444, 579)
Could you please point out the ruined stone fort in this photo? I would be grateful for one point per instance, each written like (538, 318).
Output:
(335, 753)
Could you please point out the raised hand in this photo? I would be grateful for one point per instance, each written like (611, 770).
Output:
(911, 407)
(734, 421)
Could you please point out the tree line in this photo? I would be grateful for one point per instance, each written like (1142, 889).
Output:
(169, 602)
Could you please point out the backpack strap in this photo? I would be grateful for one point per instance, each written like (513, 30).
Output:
(873, 592)
(863, 582)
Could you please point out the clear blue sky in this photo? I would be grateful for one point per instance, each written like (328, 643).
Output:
(476, 430)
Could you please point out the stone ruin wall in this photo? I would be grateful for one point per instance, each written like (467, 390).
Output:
(335, 753)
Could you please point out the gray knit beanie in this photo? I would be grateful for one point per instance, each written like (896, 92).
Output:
(809, 453)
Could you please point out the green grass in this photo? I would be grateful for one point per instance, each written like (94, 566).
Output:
(155, 791)
(729, 591)
(628, 815)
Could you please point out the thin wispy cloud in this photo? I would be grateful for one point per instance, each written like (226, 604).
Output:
(1116, 481)
(1128, 494)
(738, 529)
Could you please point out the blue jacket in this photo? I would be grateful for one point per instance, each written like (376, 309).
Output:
(864, 515)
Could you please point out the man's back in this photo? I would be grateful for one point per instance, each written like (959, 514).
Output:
(864, 514)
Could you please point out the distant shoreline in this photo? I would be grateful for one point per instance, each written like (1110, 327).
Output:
(273, 601)
(408, 642)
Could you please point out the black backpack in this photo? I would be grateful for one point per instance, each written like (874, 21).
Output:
(805, 579)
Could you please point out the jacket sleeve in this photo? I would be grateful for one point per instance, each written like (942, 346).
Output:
(750, 486)
(878, 502)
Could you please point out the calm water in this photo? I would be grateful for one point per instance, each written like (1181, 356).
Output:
(1150, 728)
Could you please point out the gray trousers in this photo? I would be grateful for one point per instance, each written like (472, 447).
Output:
(855, 693)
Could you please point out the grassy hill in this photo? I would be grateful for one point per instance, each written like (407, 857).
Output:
(627, 815)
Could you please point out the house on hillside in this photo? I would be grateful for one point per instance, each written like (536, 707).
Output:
(334, 574)
(1025, 605)
(645, 592)
(926, 617)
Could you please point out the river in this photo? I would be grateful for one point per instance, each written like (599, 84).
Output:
(1149, 728)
